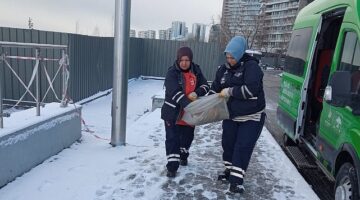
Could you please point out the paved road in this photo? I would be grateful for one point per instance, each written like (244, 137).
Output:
(271, 87)
(315, 177)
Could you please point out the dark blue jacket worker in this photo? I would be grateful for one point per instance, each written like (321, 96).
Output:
(240, 80)
(184, 82)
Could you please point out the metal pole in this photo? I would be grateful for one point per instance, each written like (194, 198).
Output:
(37, 82)
(120, 81)
(1, 99)
(64, 78)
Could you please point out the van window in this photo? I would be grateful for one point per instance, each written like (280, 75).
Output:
(348, 52)
(297, 51)
(350, 60)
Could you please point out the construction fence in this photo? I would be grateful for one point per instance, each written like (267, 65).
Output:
(91, 61)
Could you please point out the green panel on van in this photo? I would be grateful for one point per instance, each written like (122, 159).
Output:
(290, 95)
(338, 126)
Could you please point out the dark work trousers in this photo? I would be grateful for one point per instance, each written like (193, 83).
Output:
(238, 142)
(177, 143)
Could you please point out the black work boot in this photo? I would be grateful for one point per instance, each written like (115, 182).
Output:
(224, 176)
(235, 188)
(171, 174)
(183, 162)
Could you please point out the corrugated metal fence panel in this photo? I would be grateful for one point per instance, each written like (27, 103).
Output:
(24, 68)
(136, 57)
(92, 60)
(158, 55)
(91, 65)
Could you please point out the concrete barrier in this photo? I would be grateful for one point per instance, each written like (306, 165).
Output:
(35, 139)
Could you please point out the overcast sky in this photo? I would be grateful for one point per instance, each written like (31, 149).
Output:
(63, 15)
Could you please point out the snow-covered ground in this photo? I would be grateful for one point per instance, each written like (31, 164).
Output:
(28, 117)
(92, 169)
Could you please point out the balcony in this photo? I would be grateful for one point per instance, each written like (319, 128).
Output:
(278, 24)
(282, 8)
(270, 17)
(273, 2)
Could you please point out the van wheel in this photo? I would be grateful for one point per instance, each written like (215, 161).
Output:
(346, 185)
(288, 141)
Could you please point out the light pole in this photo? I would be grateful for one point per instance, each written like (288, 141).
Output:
(120, 82)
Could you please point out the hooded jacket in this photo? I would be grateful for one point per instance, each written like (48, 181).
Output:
(245, 83)
(237, 47)
(175, 98)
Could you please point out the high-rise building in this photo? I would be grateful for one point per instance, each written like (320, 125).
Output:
(198, 32)
(215, 33)
(150, 34)
(186, 30)
(162, 34)
(179, 30)
(132, 33)
(266, 24)
(240, 17)
(142, 34)
(279, 19)
(168, 34)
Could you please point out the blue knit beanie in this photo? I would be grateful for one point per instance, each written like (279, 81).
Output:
(236, 47)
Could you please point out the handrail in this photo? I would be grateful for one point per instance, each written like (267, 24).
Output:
(32, 45)
(63, 66)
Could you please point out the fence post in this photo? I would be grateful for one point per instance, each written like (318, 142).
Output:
(37, 82)
(1, 98)
(63, 64)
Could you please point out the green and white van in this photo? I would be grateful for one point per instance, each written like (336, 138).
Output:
(319, 102)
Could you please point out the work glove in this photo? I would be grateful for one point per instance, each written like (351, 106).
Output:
(192, 96)
(225, 93)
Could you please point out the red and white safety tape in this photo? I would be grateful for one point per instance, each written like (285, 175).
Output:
(31, 58)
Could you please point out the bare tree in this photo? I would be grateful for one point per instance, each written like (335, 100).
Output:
(247, 23)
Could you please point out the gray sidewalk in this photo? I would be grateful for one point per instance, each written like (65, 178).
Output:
(270, 175)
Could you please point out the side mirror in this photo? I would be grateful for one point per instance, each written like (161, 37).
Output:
(338, 92)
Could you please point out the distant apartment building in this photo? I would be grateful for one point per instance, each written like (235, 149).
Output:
(142, 34)
(275, 17)
(150, 34)
(279, 16)
(215, 33)
(132, 33)
(240, 17)
(179, 30)
(198, 32)
(165, 34)
(168, 34)
(162, 34)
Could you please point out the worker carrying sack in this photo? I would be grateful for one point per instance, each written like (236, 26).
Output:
(205, 110)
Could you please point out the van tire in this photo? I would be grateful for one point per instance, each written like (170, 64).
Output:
(346, 185)
(287, 141)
